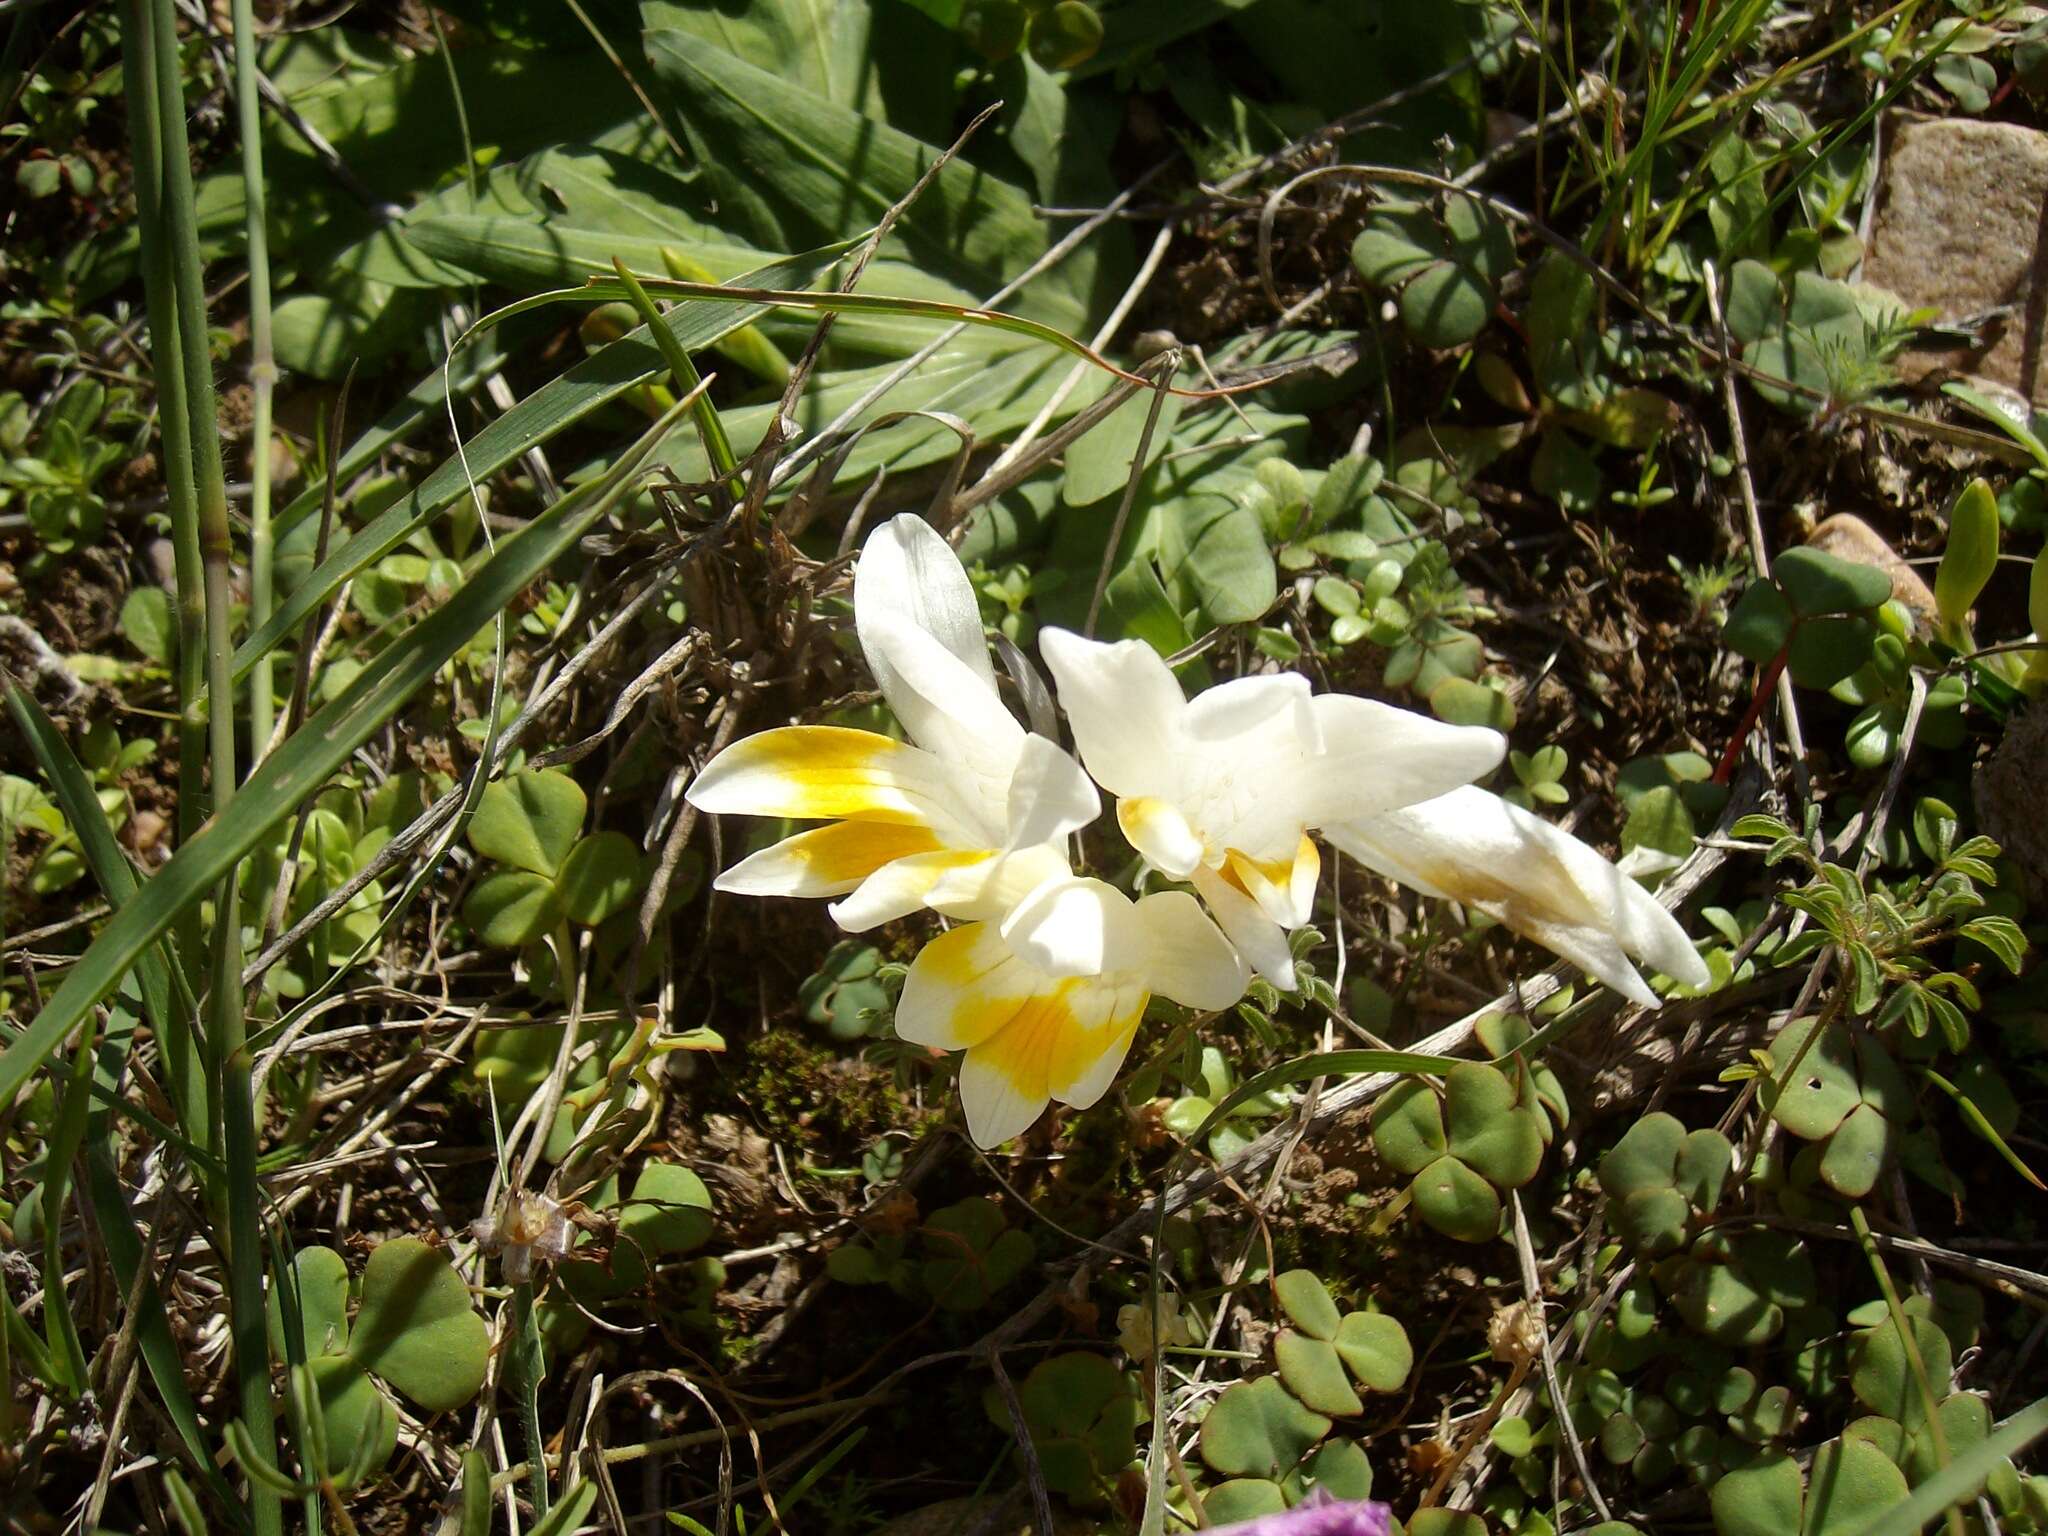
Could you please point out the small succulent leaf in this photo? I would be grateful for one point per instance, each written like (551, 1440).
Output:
(1340, 1468)
(417, 1327)
(1306, 1300)
(669, 1212)
(1970, 555)
(1760, 624)
(1824, 1086)
(1882, 1376)
(1314, 1373)
(529, 820)
(1243, 1498)
(1824, 651)
(1375, 1348)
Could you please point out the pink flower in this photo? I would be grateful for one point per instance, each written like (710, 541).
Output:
(1317, 1515)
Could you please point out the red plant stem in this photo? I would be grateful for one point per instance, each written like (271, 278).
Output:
(1766, 684)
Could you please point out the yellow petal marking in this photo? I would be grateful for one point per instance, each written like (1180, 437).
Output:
(1045, 1046)
(962, 959)
(853, 850)
(820, 772)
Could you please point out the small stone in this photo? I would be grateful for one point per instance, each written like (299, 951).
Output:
(1958, 229)
(1847, 537)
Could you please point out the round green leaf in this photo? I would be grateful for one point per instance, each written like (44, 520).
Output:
(1341, 1467)
(320, 1280)
(1815, 582)
(146, 623)
(1856, 1153)
(1824, 651)
(352, 1410)
(1489, 1130)
(1258, 1429)
(1314, 1373)
(1850, 1484)
(1375, 1348)
(1066, 36)
(529, 820)
(417, 1327)
(1764, 1499)
(1445, 305)
(1306, 1300)
(1457, 1202)
(1408, 1127)
(1243, 1498)
(600, 876)
(1822, 1090)
(669, 1213)
(1759, 624)
(510, 908)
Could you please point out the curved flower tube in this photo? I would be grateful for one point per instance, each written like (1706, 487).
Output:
(1045, 994)
(1319, 1514)
(1474, 847)
(969, 786)
(1223, 789)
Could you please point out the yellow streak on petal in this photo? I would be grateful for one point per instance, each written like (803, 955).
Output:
(827, 771)
(853, 850)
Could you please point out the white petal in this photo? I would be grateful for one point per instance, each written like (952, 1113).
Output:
(1261, 941)
(1074, 927)
(1244, 706)
(1125, 707)
(945, 706)
(1474, 847)
(1374, 758)
(1160, 832)
(963, 987)
(996, 1105)
(990, 889)
(908, 573)
(900, 888)
(825, 861)
(1188, 958)
(1049, 796)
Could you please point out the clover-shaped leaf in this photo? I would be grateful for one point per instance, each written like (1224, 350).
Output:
(417, 1327)
(352, 1411)
(1408, 1127)
(529, 820)
(1082, 1413)
(601, 875)
(1307, 1301)
(1490, 1129)
(1375, 1349)
(1846, 1090)
(1314, 1372)
(1456, 1201)
(510, 908)
(1258, 1428)
(319, 1295)
(971, 1253)
(1658, 1177)
(1882, 1376)
(1447, 268)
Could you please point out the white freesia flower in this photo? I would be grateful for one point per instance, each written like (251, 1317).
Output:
(915, 823)
(1045, 993)
(1474, 847)
(1222, 790)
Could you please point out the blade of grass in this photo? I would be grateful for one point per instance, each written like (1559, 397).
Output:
(227, 1043)
(298, 769)
(67, 1354)
(558, 404)
(138, 46)
(262, 366)
(717, 446)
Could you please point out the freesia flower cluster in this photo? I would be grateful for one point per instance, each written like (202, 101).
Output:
(1047, 974)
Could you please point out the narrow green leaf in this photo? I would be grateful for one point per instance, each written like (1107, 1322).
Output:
(295, 772)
